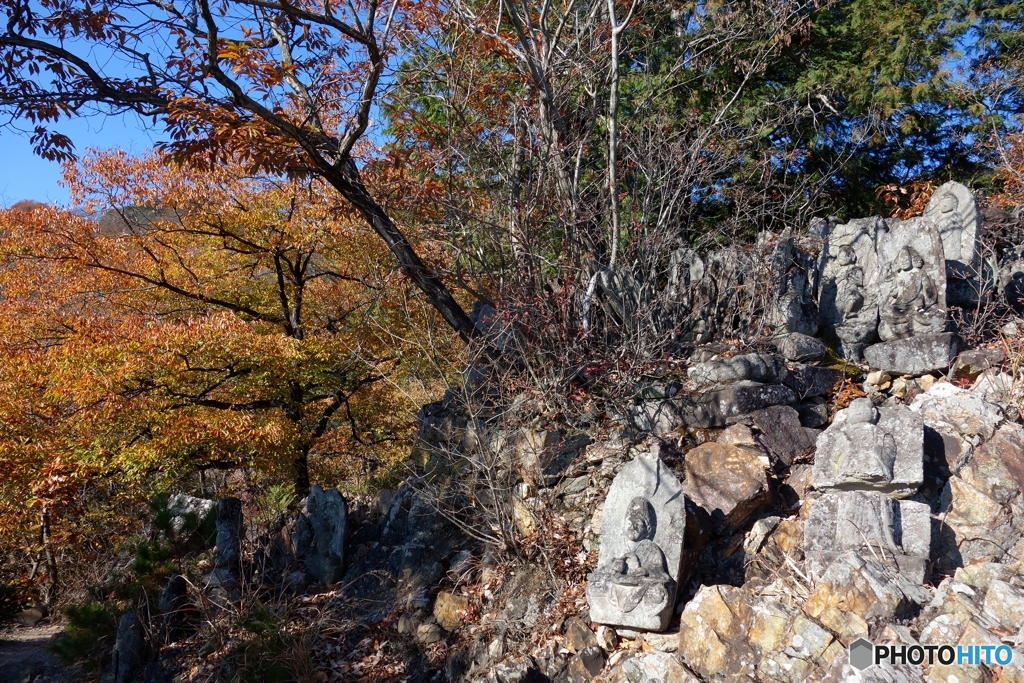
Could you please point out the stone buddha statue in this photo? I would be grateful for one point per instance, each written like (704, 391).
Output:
(867, 452)
(912, 305)
(640, 575)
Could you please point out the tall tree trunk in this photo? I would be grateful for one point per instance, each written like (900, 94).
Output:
(301, 464)
(345, 178)
(50, 589)
(293, 412)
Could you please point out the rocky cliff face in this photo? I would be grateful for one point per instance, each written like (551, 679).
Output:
(763, 512)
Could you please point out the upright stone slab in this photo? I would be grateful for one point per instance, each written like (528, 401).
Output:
(131, 650)
(894, 531)
(882, 279)
(793, 307)
(320, 533)
(637, 579)
(910, 279)
(873, 449)
(847, 301)
(227, 568)
(956, 216)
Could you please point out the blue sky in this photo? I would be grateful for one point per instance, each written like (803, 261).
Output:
(23, 175)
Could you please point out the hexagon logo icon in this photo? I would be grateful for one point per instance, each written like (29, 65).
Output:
(862, 654)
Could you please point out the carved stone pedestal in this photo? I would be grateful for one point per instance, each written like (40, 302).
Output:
(914, 355)
(895, 532)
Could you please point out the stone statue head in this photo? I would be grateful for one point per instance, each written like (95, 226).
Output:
(903, 260)
(915, 258)
(948, 203)
(639, 522)
(862, 411)
(846, 256)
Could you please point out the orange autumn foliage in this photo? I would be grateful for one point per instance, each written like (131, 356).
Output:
(208, 320)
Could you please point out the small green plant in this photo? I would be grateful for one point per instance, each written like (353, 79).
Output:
(266, 654)
(89, 635)
(274, 502)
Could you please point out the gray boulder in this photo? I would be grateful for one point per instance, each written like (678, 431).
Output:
(320, 533)
(189, 511)
(800, 347)
(131, 650)
(782, 435)
(756, 367)
(808, 381)
(228, 564)
(657, 417)
(717, 408)
(914, 355)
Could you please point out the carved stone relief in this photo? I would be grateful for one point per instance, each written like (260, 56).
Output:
(636, 582)
(956, 216)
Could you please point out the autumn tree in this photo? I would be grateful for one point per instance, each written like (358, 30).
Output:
(208, 320)
(286, 87)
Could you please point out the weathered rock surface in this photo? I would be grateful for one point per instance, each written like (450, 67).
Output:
(578, 635)
(644, 521)
(649, 667)
(536, 450)
(782, 435)
(952, 410)
(972, 362)
(755, 367)
(800, 347)
(864, 587)
(320, 533)
(131, 650)
(793, 308)
(914, 355)
(868, 448)
(729, 634)
(717, 408)
(189, 512)
(447, 609)
(889, 530)
(729, 482)
(656, 417)
(982, 508)
(808, 381)
(228, 565)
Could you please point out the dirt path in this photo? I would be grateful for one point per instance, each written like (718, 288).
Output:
(22, 657)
